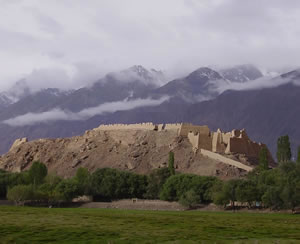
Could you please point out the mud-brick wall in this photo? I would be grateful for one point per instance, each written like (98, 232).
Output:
(244, 146)
(141, 126)
(186, 128)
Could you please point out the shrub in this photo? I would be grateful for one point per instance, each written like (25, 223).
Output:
(156, 180)
(178, 185)
(189, 199)
(114, 184)
(20, 193)
(67, 189)
(37, 172)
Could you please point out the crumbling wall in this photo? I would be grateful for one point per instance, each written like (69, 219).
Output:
(194, 139)
(160, 127)
(239, 142)
(141, 126)
(175, 126)
(205, 141)
(219, 141)
(185, 128)
(243, 146)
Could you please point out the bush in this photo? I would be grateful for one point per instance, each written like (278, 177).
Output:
(156, 180)
(37, 172)
(177, 185)
(9, 180)
(83, 178)
(189, 199)
(20, 193)
(114, 184)
(67, 190)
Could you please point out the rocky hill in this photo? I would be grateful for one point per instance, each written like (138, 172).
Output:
(137, 150)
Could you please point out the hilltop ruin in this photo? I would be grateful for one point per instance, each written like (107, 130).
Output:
(234, 142)
(141, 148)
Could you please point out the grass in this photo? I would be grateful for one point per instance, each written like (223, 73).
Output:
(78, 225)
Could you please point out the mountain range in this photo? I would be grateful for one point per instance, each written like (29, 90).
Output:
(237, 97)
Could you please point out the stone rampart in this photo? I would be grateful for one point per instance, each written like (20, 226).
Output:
(219, 141)
(175, 126)
(194, 139)
(225, 160)
(141, 126)
(186, 128)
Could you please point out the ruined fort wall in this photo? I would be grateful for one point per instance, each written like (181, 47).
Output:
(186, 128)
(244, 146)
(205, 142)
(226, 137)
(194, 139)
(175, 126)
(141, 126)
(225, 160)
(218, 142)
(160, 127)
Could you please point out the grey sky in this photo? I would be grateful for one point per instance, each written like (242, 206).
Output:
(67, 43)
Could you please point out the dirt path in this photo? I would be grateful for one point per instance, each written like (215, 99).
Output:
(139, 204)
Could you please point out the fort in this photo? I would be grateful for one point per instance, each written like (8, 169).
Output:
(141, 148)
(202, 138)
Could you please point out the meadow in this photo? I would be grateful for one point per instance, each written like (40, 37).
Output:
(80, 225)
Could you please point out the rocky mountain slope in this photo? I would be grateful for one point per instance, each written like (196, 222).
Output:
(241, 73)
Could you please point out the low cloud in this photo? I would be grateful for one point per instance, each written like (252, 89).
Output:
(58, 114)
(261, 83)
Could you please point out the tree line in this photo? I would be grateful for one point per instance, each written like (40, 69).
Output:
(277, 188)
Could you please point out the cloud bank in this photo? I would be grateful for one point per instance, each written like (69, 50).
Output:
(58, 114)
(261, 83)
(73, 42)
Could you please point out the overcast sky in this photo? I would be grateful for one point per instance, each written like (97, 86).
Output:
(68, 43)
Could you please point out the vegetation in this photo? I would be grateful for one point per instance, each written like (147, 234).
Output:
(115, 184)
(156, 180)
(78, 225)
(178, 185)
(171, 163)
(37, 172)
(284, 153)
(277, 188)
(263, 159)
(298, 155)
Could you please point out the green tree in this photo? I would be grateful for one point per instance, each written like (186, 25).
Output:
(219, 197)
(49, 186)
(83, 177)
(67, 189)
(298, 155)
(230, 190)
(263, 159)
(178, 185)
(20, 193)
(189, 199)
(37, 172)
(156, 180)
(247, 192)
(108, 184)
(171, 163)
(283, 149)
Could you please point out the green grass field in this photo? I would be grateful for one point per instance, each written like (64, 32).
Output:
(78, 225)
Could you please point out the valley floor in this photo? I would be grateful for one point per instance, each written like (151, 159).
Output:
(82, 225)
